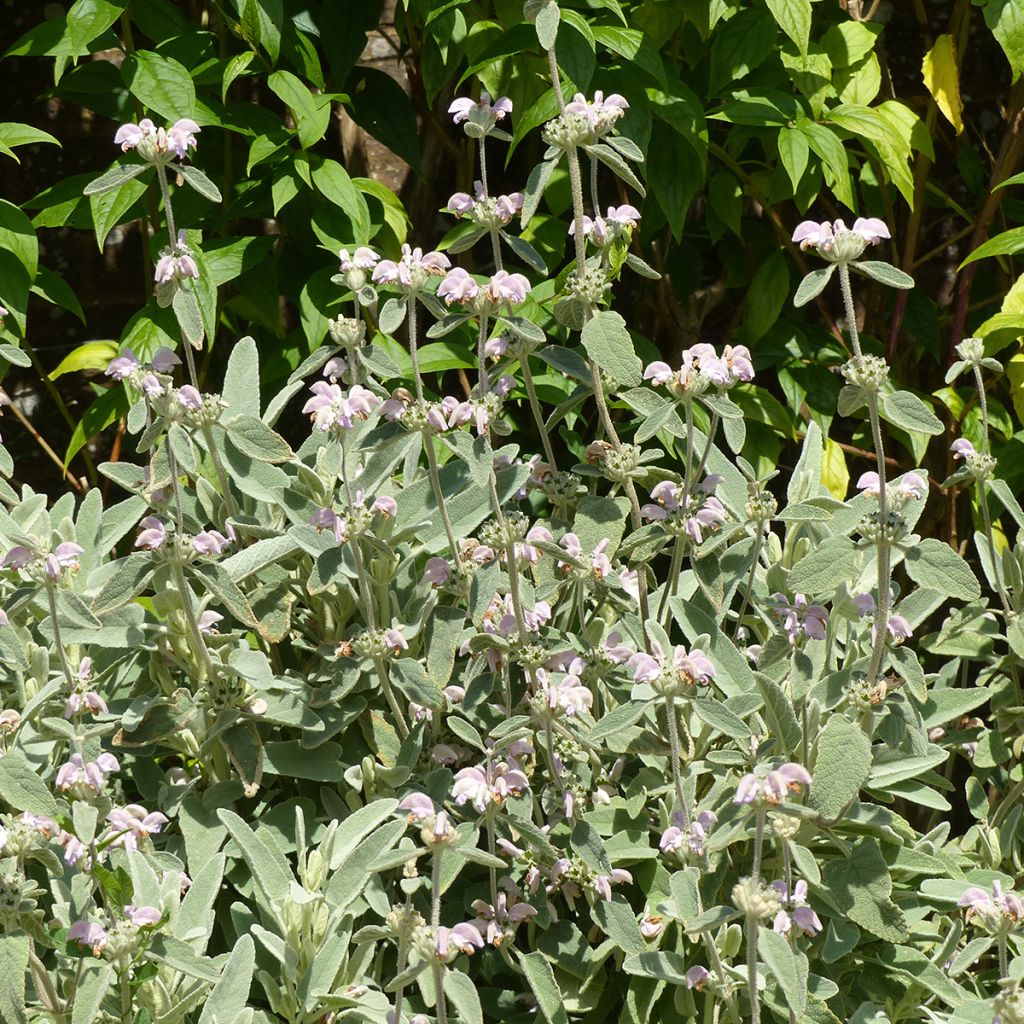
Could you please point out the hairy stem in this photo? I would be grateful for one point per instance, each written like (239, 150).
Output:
(435, 923)
(676, 752)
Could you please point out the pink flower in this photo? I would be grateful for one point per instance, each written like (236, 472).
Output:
(437, 572)
(363, 258)
(395, 641)
(152, 535)
(871, 229)
(164, 360)
(697, 977)
(189, 398)
(795, 910)
(600, 113)
(122, 366)
(64, 556)
(128, 136)
(418, 805)
(962, 448)
(458, 286)
(800, 618)
(176, 262)
(142, 917)
(821, 236)
(774, 787)
(481, 111)
(506, 287)
(210, 542)
(461, 203)
(89, 934)
(133, 822)
(689, 667)
(385, 506)
(412, 270)
(181, 137)
(18, 557)
(208, 622)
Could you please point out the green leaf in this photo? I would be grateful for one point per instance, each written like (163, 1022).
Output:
(1005, 18)
(884, 272)
(766, 297)
(794, 18)
(13, 966)
(608, 343)
(616, 720)
(411, 678)
(813, 285)
(935, 565)
(634, 46)
(230, 995)
(130, 576)
(834, 161)
(788, 967)
(380, 106)
(904, 409)
(236, 67)
(241, 389)
(110, 205)
(161, 83)
(252, 437)
(840, 768)
(541, 978)
(825, 566)
(587, 844)
(189, 316)
(860, 887)
(262, 24)
(534, 191)
(267, 864)
(1008, 243)
(779, 713)
(667, 967)
(546, 25)
(22, 788)
(462, 992)
(618, 922)
(334, 184)
(91, 990)
(13, 134)
(113, 178)
(88, 19)
(93, 355)
(200, 182)
(18, 236)
(15, 356)
(311, 117)
(392, 316)
(794, 153)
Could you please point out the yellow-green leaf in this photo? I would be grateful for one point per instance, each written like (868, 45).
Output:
(942, 79)
(834, 474)
(93, 355)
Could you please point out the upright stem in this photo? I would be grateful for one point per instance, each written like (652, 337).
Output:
(218, 465)
(752, 922)
(688, 464)
(593, 188)
(670, 584)
(538, 416)
(676, 753)
(481, 356)
(881, 628)
(749, 589)
(983, 495)
(161, 176)
(199, 648)
(483, 163)
(410, 315)
(435, 923)
(1004, 966)
(368, 607)
(51, 598)
(435, 481)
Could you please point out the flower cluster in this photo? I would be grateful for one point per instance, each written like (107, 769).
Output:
(774, 786)
(158, 145)
(331, 409)
(690, 516)
(799, 618)
(503, 287)
(836, 242)
(702, 368)
(411, 273)
(488, 212)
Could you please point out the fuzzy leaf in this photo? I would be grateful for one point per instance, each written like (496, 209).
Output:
(840, 768)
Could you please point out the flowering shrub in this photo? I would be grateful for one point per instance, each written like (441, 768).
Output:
(409, 722)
